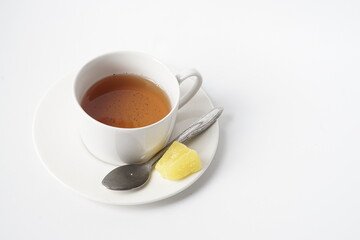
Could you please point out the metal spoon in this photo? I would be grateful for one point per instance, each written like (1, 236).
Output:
(135, 175)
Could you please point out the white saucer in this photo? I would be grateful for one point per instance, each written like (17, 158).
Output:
(63, 154)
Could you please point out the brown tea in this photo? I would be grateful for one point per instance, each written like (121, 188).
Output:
(126, 101)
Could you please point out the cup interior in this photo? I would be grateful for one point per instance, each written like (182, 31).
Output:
(127, 63)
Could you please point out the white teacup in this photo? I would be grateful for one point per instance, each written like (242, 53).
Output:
(130, 145)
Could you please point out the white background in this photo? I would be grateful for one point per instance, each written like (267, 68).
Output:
(286, 72)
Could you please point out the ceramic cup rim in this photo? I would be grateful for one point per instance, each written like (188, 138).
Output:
(174, 106)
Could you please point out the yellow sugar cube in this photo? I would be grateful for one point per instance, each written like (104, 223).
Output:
(178, 162)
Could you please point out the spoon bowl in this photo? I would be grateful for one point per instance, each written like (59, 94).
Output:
(119, 178)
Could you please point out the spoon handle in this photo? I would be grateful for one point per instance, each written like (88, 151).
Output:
(199, 126)
(192, 131)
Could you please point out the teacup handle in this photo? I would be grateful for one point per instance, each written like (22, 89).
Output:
(194, 89)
